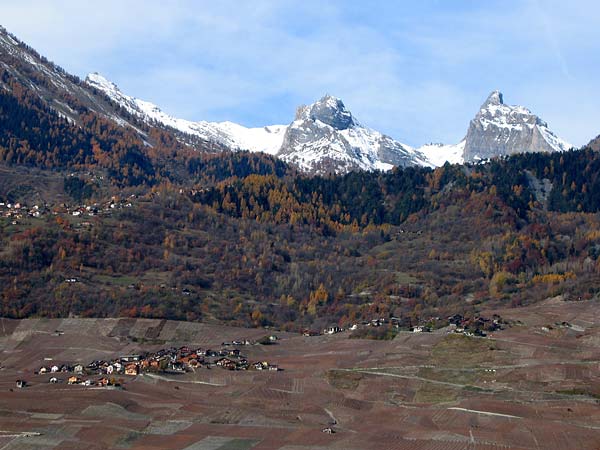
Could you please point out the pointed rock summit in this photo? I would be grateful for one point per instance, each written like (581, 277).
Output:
(329, 110)
(325, 138)
(495, 98)
(499, 129)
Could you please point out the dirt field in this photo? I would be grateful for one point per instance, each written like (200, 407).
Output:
(533, 386)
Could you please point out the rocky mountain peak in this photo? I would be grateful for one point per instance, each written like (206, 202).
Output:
(495, 98)
(499, 129)
(328, 110)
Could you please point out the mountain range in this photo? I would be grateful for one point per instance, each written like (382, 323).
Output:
(324, 137)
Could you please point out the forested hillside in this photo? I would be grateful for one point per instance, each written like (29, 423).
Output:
(107, 217)
(246, 240)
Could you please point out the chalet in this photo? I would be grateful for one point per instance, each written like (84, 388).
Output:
(109, 369)
(103, 382)
(333, 330)
(176, 367)
(21, 384)
(154, 364)
(95, 365)
(43, 370)
(53, 380)
(261, 365)
(132, 369)
(226, 363)
(74, 380)
(328, 430)
(54, 369)
(78, 368)
(194, 363)
(186, 359)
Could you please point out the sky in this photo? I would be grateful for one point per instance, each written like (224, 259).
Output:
(417, 71)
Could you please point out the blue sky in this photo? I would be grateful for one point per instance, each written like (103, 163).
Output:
(417, 71)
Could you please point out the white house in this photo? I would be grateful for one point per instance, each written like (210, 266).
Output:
(332, 330)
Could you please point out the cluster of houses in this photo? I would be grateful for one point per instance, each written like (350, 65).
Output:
(469, 326)
(17, 211)
(98, 208)
(334, 329)
(168, 361)
(475, 326)
(472, 326)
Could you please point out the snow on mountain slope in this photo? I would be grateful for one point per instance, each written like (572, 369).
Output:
(499, 129)
(439, 154)
(325, 137)
(236, 137)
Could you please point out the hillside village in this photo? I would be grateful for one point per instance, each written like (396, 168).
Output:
(168, 361)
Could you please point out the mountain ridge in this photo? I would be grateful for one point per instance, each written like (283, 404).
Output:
(323, 138)
(336, 141)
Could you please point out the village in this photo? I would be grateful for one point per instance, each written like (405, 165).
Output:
(168, 361)
(478, 326)
(18, 211)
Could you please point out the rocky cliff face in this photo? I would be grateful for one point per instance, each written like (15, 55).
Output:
(325, 137)
(499, 129)
(595, 144)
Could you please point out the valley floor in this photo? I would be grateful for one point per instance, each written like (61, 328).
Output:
(532, 386)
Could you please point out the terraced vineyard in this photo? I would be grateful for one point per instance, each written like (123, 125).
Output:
(526, 387)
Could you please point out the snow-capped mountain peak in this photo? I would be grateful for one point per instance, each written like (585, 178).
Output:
(329, 110)
(325, 137)
(495, 98)
(499, 129)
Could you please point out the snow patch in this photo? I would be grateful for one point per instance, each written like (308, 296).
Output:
(439, 154)
(237, 137)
